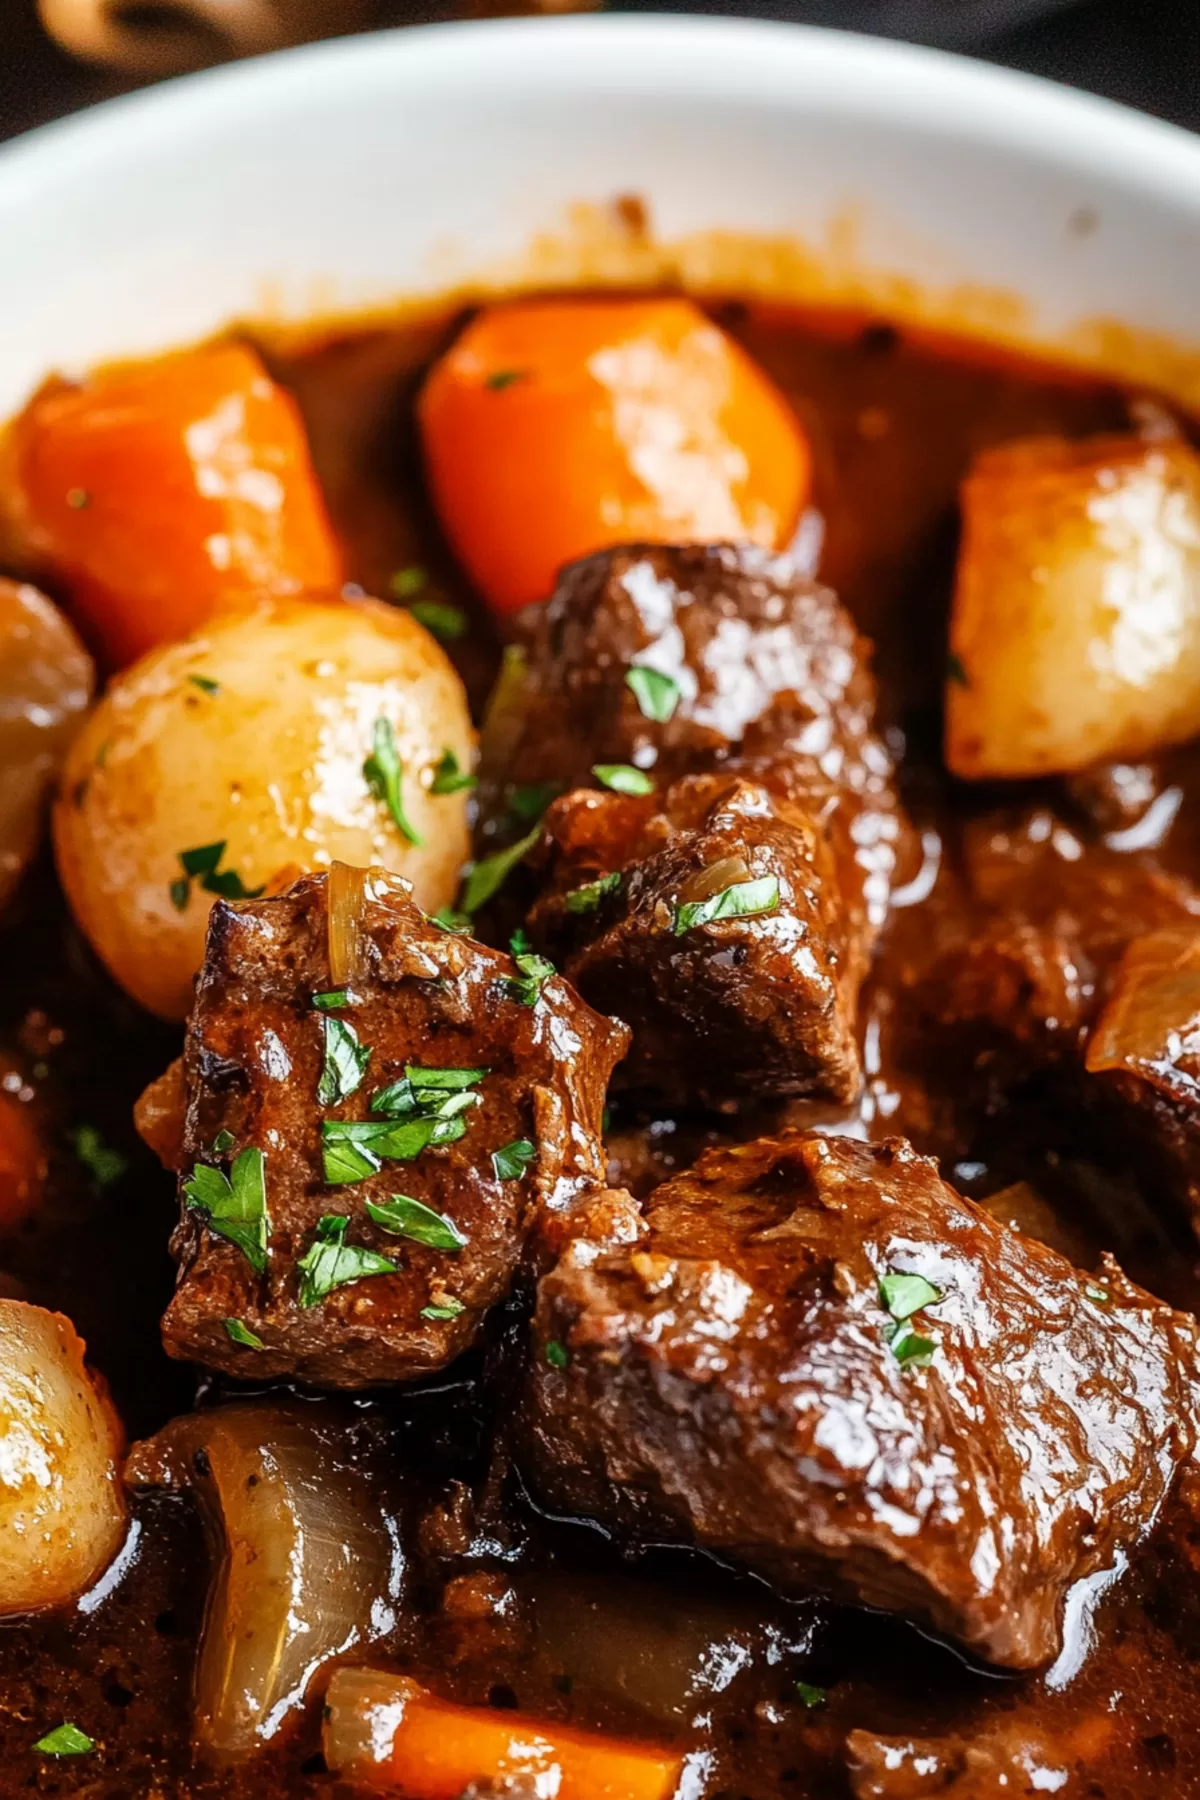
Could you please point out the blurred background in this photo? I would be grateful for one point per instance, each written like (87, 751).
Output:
(58, 55)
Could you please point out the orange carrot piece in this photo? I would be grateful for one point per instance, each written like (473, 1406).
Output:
(556, 427)
(153, 493)
(386, 1732)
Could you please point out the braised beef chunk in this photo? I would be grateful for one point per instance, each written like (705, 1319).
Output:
(721, 938)
(819, 1360)
(363, 1166)
(728, 912)
(1003, 1763)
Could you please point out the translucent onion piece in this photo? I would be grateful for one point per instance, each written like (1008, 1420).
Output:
(716, 878)
(308, 1564)
(1151, 1022)
(347, 893)
(62, 1507)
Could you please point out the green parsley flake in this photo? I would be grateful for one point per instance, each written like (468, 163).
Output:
(449, 777)
(205, 683)
(903, 1295)
(407, 582)
(533, 972)
(587, 898)
(557, 1354)
(412, 1219)
(657, 694)
(511, 1162)
(203, 864)
(238, 1333)
(345, 1062)
(330, 1262)
(353, 1149)
(500, 379)
(65, 1740)
(235, 1205)
(744, 900)
(441, 620)
(448, 920)
(1095, 1292)
(956, 671)
(622, 778)
(449, 1308)
(78, 498)
(486, 878)
(530, 802)
(103, 1164)
(333, 1000)
(811, 1695)
(180, 892)
(223, 1141)
(442, 1079)
(383, 774)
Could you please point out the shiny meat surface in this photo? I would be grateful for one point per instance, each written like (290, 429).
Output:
(497, 1072)
(816, 1358)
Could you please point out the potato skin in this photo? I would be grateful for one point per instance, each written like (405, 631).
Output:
(1075, 626)
(271, 762)
(62, 1503)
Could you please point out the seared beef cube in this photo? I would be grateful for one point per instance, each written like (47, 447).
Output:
(819, 1360)
(712, 920)
(1010, 1759)
(363, 1168)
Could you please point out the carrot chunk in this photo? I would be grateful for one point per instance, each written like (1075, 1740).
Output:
(154, 493)
(556, 427)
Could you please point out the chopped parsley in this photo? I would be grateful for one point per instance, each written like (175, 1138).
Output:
(411, 1219)
(205, 683)
(448, 920)
(203, 864)
(587, 898)
(811, 1695)
(500, 379)
(1095, 1292)
(449, 1308)
(622, 778)
(407, 582)
(531, 801)
(345, 1062)
(65, 1740)
(486, 878)
(441, 620)
(903, 1295)
(330, 1262)
(78, 498)
(442, 1079)
(383, 774)
(332, 1000)
(511, 1162)
(238, 1333)
(533, 972)
(449, 777)
(657, 694)
(103, 1164)
(557, 1354)
(352, 1149)
(956, 671)
(744, 900)
(235, 1205)
(223, 1141)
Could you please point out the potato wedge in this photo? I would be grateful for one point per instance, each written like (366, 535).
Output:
(62, 1505)
(1075, 625)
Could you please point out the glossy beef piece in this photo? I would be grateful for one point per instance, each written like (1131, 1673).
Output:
(723, 1370)
(746, 1005)
(252, 1063)
(1002, 1763)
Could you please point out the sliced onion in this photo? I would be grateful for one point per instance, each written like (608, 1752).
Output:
(1151, 1022)
(347, 897)
(308, 1564)
(727, 872)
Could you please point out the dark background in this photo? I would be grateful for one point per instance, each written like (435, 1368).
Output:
(1143, 52)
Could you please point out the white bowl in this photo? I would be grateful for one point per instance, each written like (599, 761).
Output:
(346, 174)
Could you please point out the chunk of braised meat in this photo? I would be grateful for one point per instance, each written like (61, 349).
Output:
(773, 809)
(1004, 1762)
(725, 943)
(812, 1356)
(363, 1168)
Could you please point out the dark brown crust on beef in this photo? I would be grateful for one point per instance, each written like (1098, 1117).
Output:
(729, 1382)
(251, 1066)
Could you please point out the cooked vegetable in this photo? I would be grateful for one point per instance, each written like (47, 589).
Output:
(157, 492)
(555, 427)
(306, 1563)
(46, 681)
(385, 1732)
(62, 1507)
(1075, 629)
(171, 796)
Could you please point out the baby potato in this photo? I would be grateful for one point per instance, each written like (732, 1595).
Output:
(62, 1505)
(1075, 625)
(272, 742)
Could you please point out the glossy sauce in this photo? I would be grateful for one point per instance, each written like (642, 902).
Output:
(550, 1618)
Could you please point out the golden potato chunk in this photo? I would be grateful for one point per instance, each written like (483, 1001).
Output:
(62, 1505)
(272, 742)
(1075, 626)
